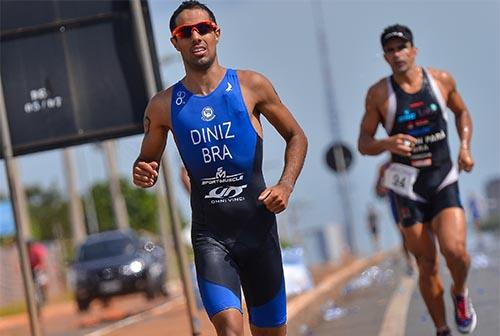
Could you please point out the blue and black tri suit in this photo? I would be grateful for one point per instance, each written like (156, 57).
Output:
(423, 116)
(234, 236)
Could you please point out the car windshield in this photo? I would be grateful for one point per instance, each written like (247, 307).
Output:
(106, 249)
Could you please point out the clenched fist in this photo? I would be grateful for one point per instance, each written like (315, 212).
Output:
(145, 173)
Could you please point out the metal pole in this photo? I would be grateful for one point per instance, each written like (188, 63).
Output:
(144, 48)
(75, 204)
(343, 181)
(23, 207)
(181, 252)
(88, 199)
(20, 234)
(91, 215)
(147, 66)
(163, 224)
(119, 206)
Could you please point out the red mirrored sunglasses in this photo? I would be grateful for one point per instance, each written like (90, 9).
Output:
(203, 28)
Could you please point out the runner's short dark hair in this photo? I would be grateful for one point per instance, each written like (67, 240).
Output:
(190, 4)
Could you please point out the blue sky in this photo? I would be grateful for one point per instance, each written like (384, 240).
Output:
(277, 38)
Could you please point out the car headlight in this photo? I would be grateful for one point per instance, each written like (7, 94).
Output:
(134, 267)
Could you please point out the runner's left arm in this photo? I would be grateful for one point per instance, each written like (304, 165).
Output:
(463, 121)
(269, 104)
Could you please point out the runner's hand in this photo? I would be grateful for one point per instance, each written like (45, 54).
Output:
(465, 161)
(380, 190)
(401, 144)
(145, 173)
(276, 198)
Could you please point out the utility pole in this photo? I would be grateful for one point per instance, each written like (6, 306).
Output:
(343, 179)
(163, 224)
(147, 65)
(15, 190)
(75, 204)
(119, 205)
(23, 205)
(88, 198)
(91, 215)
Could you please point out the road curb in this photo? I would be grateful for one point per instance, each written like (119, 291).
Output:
(306, 308)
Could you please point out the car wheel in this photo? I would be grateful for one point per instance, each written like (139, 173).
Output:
(150, 292)
(105, 301)
(164, 290)
(83, 304)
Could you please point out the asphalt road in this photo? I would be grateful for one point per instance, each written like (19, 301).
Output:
(484, 290)
(363, 308)
(377, 303)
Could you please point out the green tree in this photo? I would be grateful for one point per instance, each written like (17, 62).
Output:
(103, 208)
(48, 213)
(141, 206)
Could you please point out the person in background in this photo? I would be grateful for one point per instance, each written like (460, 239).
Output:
(38, 255)
(372, 223)
(412, 105)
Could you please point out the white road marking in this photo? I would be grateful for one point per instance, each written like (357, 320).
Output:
(394, 323)
(138, 317)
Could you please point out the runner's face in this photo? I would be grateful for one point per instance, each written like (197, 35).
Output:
(198, 51)
(400, 55)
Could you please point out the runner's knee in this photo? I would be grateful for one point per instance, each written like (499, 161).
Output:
(228, 330)
(427, 266)
(228, 324)
(456, 252)
(280, 331)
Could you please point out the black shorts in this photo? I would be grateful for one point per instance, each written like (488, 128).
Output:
(394, 208)
(224, 268)
(411, 212)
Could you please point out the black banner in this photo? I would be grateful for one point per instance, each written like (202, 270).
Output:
(71, 72)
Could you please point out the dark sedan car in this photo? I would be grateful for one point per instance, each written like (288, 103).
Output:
(116, 262)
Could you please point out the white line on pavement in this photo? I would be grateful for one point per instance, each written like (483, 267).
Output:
(394, 323)
(138, 317)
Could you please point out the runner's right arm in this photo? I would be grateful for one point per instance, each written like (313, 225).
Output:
(156, 126)
(400, 144)
(380, 190)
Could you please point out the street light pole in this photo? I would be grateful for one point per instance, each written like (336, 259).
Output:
(340, 162)
(78, 232)
(117, 200)
(15, 192)
(147, 65)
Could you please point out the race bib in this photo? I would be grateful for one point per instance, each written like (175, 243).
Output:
(400, 179)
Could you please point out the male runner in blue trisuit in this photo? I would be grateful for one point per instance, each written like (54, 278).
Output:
(411, 104)
(214, 115)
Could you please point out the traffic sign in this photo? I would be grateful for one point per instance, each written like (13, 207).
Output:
(339, 157)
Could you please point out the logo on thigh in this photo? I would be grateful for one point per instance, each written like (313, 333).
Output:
(405, 212)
